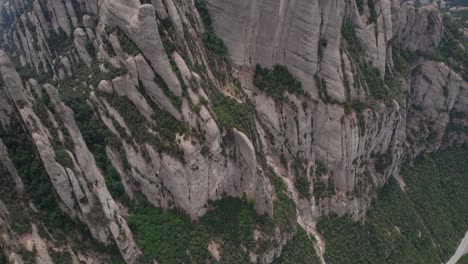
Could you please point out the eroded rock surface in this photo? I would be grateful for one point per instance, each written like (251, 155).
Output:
(167, 90)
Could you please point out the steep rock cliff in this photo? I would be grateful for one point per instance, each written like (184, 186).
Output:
(187, 102)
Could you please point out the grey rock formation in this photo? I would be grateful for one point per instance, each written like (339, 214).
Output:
(6, 110)
(271, 33)
(160, 9)
(139, 22)
(84, 178)
(10, 168)
(60, 15)
(8, 237)
(150, 43)
(437, 91)
(169, 105)
(147, 77)
(419, 29)
(81, 41)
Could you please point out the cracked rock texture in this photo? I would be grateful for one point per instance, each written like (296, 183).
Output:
(155, 80)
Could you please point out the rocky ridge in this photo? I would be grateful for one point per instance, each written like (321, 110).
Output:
(187, 121)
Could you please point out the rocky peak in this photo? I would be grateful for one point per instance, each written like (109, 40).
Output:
(179, 104)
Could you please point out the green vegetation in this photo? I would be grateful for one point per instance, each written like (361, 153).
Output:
(60, 42)
(299, 250)
(171, 237)
(34, 176)
(204, 13)
(378, 88)
(423, 224)
(360, 6)
(166, 126)
(400, 64)
(322, 188)
(321, 46)
(230, 223)
(322, 89)
(284, 214)
(463, 260)
(90, 48)
(125, 42)
(97, 137)
(212, 42)
(19, 219)
(383, 161)
(94, 132)
(176, 101)
(320, 168)
(373, 13)
(276, 81)
(108, 47)
(449, 49)
(366, 74)
(164, 236)
(61, 154)
(39, 191)
(301, 182)
(452, 3)
(61, 257)
(354, 105)
(302, 185)
(461, 15)
(91, 75)
(232, 114)
(27, 72)
(349, 33)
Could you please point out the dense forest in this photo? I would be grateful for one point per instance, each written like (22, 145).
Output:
(423, 222)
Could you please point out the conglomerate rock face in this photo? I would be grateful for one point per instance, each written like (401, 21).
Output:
(189, 108)
(306, 36)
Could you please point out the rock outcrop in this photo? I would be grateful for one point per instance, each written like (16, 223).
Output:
(80, 180)
(163, 98)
